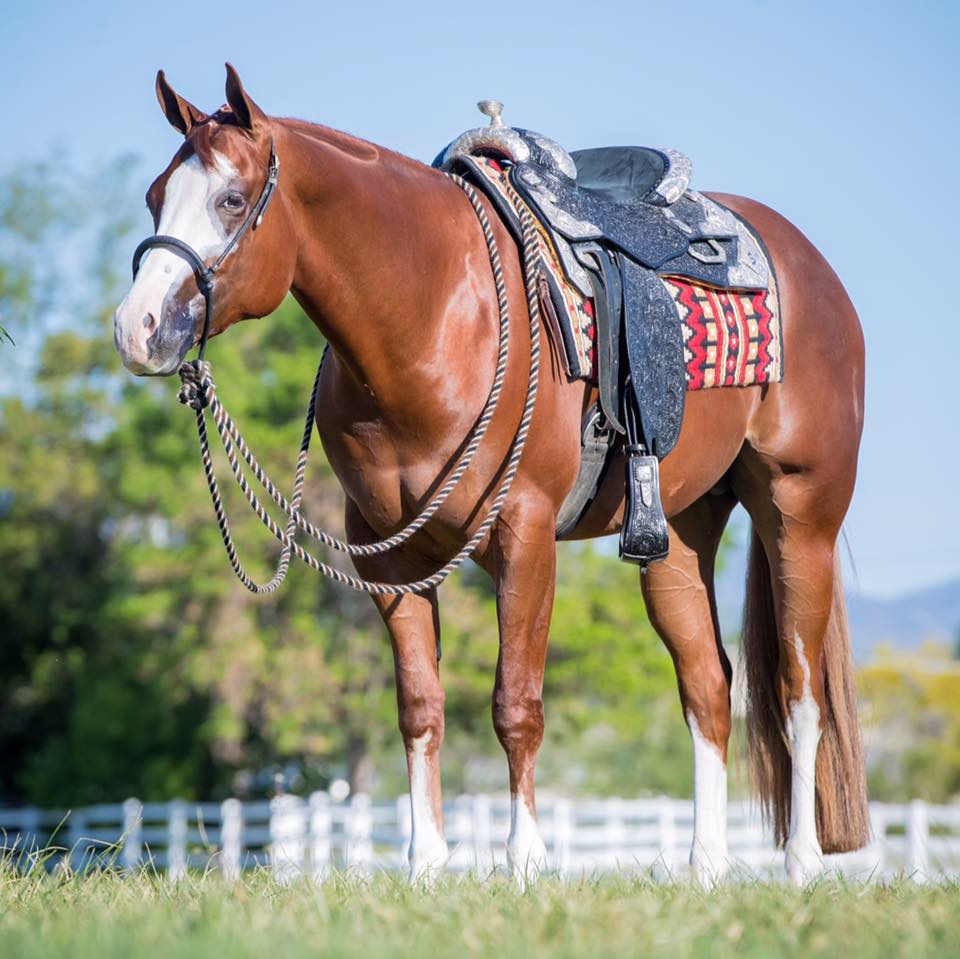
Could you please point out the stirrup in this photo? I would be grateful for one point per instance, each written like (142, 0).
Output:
(643, 535)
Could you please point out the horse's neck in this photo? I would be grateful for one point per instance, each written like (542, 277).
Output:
(367, 244)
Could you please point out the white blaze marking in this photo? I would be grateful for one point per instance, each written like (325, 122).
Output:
(187, 214)
(804, 858)
(525, 848)
(708, 855)
(428, 849)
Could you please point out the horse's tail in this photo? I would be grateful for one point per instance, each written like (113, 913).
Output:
(843, 817)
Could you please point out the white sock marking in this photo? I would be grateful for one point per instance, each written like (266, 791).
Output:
(708, 855)
(525, 848)
(804, 858)
(428, 849)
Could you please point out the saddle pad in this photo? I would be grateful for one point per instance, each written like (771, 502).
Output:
(730, 337)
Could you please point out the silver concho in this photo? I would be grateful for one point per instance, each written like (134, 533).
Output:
(676, 176)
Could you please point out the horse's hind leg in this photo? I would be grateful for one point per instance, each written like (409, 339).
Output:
(803, 567)
(680, 602)
(801, 711)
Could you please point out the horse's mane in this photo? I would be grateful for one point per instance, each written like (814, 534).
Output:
(203, 134)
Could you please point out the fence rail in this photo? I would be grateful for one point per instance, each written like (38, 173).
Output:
(292, 836)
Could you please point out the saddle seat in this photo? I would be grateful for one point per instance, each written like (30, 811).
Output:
(631, 174)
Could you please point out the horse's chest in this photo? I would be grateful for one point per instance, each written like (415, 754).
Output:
(380, 475)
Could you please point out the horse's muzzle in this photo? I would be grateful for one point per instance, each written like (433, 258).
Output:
(151, 348)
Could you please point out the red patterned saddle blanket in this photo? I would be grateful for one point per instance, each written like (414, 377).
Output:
(730, 337)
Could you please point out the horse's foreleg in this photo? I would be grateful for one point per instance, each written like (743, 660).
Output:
(414, 628)
(525, 570)
(680, 602)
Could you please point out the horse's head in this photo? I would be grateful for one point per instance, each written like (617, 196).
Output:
(206, 198)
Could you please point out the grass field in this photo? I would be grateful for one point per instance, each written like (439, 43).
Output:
(105, 916)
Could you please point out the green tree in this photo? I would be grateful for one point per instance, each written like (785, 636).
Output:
(911, 724)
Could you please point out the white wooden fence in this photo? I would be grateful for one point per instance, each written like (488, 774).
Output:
(292, 835)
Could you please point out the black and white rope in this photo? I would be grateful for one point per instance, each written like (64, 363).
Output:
(199, 391)
(479, 430)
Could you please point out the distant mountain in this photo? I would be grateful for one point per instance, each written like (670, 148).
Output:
(905, 623)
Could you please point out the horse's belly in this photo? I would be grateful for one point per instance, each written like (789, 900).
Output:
(714, 426)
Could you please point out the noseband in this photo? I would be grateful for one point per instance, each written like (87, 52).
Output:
(205, 274)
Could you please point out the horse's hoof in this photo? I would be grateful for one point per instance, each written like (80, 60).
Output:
(427, 864)
(804, 863)
(527, 863)
(710, 863)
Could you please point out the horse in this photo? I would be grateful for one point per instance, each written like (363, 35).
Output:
(386, 257)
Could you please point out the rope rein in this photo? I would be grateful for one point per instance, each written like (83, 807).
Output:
(198, 391)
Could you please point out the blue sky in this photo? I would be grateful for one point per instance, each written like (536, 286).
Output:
(843, 116)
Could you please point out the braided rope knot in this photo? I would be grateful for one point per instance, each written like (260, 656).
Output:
(197, 389)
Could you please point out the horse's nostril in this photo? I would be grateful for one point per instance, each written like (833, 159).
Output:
(150, 322)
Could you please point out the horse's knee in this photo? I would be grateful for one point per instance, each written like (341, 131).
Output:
(421, 715)
(518, 720)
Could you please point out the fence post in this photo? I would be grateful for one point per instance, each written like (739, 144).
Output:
(918, 840)
(458, 832)
(359, 851)
(878, 842)
(132, 834)
(482, 830)
(667, 823)
(176, 839)
(76, 855)
(321, 828)
(231, 837)
(288, 828)
(28, 838)
(614, 832)
(405, 826)
(562, 835)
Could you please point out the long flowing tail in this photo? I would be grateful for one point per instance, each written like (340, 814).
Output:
(843, 818)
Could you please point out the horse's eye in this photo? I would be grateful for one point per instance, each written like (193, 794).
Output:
(233, 201)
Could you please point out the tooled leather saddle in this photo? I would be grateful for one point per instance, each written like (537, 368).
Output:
(619, 218)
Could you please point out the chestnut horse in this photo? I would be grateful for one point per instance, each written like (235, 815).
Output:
(386, 257)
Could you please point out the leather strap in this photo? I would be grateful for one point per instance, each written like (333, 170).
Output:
(608, 302)
(597, 442)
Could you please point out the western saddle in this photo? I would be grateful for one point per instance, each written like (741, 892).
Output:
(620, 218)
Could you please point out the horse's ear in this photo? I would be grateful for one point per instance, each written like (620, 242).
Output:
(181, 113)
(248, 114)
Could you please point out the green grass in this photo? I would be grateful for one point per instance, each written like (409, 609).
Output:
(104, 915)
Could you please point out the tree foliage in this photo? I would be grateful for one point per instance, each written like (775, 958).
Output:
(911, 713)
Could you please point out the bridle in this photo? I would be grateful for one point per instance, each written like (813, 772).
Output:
(205, 274)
